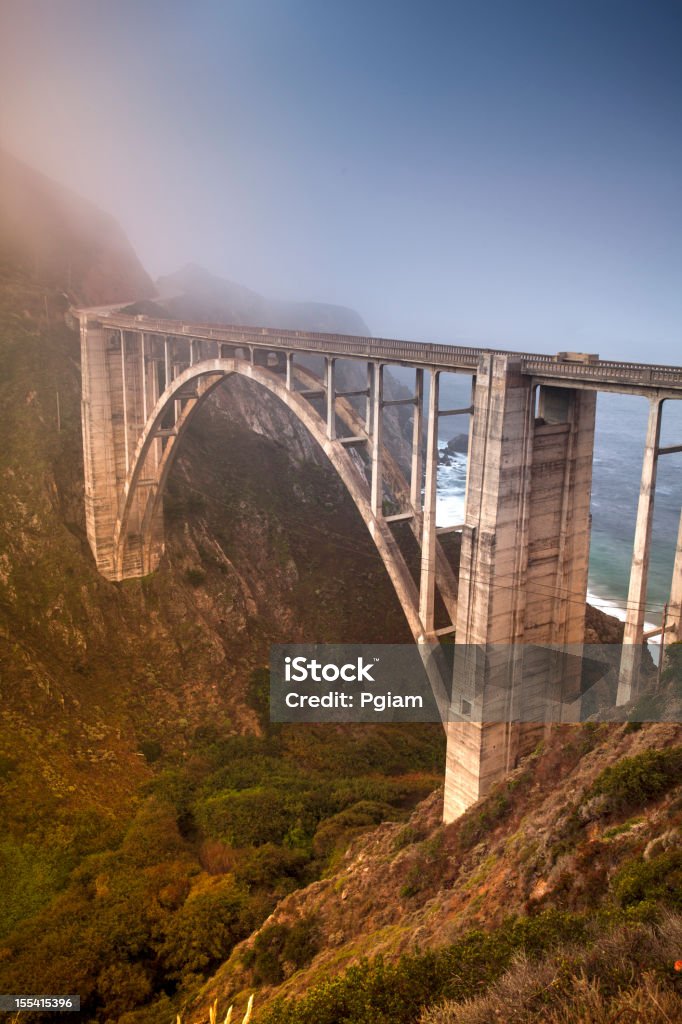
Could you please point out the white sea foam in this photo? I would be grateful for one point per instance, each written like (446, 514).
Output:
(451, 486)
(611, 607)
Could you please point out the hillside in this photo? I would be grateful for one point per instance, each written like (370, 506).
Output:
(193, 293)
(585, 837)
(163, 844)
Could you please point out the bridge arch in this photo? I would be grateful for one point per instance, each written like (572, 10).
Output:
(141, 499)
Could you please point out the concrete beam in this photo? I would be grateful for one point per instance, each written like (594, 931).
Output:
(674, 630)
(427, 575)
(377, 486)
(633, 633)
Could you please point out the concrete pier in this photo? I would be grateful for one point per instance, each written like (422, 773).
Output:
(673, 633)
(633, 633)
(524, 558)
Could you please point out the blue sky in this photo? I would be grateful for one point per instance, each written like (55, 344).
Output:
(503, 173)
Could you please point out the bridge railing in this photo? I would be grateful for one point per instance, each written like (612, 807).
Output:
(355, 346)
(604, 370)
(446, 357)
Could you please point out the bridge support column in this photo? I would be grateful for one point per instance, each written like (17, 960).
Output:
(633, 633)
(331, 398)
(369, 404)
(117, 387)
(377, 393)
(98, 356)
(417, 442)
(523, 566)
(427, 576)
(673, 632)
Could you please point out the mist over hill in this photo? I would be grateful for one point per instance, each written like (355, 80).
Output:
(63, 241)
(196, 294)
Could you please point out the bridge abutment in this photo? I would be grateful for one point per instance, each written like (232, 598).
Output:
(119, 388)
(101, 407)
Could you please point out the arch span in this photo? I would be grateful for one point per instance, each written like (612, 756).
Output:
(138, 534)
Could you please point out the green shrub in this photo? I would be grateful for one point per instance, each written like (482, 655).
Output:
(280, 945)
(479, 821)
(626, 975)
(270, 867)
(334, 833)
(634, 781)
(151, 750)
(205, 929)
(246, 817)
(378, 992)
(656, 880)
(406, 837)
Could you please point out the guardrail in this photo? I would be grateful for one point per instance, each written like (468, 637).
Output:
(446, 357)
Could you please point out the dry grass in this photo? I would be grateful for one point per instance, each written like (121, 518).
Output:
(648, 1003)
(213, 1013)
(628, 978)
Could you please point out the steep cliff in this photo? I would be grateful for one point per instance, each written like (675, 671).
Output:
(588, 827)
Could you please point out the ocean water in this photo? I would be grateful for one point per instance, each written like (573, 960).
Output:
(619, 447)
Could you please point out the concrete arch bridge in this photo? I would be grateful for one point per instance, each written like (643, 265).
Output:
(522, 576)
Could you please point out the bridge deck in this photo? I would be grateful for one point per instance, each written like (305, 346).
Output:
(600, 374)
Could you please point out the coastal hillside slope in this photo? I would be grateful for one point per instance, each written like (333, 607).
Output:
(163, 844)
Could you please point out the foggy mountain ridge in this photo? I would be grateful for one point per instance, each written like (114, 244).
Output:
(195, 293)
(63, 241)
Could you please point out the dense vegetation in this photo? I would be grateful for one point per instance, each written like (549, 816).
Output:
(378, 992)
(215, 842)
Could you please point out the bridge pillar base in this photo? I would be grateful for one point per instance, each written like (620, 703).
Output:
(479, 756)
